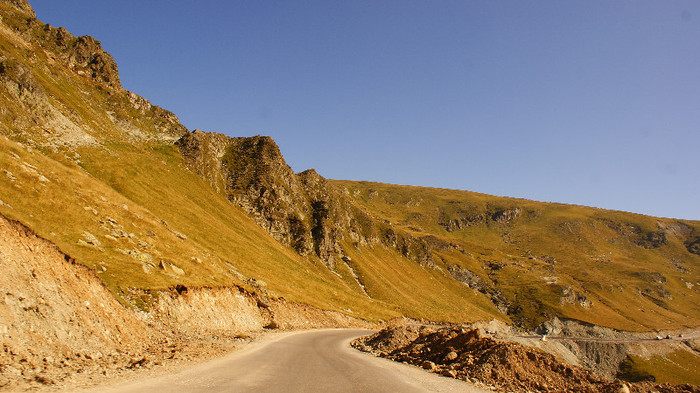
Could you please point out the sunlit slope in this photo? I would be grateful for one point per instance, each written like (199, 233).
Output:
(94, 169)
(161, 230)
(606, 267)
(418, 292)
(141, 220)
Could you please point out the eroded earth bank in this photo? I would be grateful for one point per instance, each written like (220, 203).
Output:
(61, 327)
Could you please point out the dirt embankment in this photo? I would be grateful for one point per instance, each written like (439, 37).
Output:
(468, 355)
(56, 317)
(60, 326)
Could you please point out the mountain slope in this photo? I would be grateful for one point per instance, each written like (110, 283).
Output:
(605, 267)
(94, 169)
(121, 186)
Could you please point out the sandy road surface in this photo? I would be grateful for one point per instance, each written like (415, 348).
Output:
(309, 361)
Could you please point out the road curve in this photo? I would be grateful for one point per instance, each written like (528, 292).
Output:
(308, 361)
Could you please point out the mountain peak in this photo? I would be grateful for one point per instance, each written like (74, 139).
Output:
(21, 5)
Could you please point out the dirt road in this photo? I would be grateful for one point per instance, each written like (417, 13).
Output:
(309, 361)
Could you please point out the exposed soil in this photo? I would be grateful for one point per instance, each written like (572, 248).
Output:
(468, 355)
(60, 328)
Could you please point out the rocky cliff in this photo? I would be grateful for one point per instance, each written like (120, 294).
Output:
(40, 67)
(301, 210)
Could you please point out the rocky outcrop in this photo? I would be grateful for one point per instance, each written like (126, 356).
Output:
(468, 278)
(83, 55)
(301, 210)
(86, 57)
(649, 239)
(296, 209)
(34, 77)
(464, 220)
(693, 246)
(22, 6)
(569, 295)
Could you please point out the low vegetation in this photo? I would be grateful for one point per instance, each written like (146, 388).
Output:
(121, 187)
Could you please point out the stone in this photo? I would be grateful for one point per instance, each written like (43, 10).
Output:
(428, 365)
(452, 355)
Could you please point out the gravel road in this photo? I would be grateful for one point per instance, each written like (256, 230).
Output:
(307, 361)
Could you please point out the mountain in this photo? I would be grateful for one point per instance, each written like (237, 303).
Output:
(123, 189)
(120, 183)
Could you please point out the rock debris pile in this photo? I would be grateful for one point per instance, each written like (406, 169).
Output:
(467, 355)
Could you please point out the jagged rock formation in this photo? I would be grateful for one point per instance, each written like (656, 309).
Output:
(492, 215)
(301, 210)
(63, 60)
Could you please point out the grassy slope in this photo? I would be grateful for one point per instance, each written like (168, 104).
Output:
(71, 202)
(674, 367)
(136, 198)
(608, 268)
(141, 184)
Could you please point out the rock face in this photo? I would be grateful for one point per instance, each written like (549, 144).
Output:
(294, 208)
(693, 246)
(464, 220)
(468, 278)
(84, 55)
(22, 5)
(301, 210)
(38, 77)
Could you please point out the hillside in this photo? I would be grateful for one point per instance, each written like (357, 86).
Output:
(95, 169)
(604, 267)
(123, 189)
(98, 170)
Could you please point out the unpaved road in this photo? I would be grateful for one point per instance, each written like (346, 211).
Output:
(308, 361)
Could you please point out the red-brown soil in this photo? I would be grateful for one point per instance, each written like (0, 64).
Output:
(467, 355)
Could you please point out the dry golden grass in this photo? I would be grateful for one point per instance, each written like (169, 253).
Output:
(596, 253)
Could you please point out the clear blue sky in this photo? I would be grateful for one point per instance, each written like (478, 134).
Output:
(587, 102)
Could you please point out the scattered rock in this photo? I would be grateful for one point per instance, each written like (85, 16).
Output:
(452, 355)
(508, 366)
(428, 365)
(91, 239)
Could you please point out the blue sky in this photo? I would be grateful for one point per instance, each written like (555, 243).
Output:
(587, 102)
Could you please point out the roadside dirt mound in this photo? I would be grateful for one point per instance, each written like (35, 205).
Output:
(290, 315)
(55, 316)
(467, 355)
(388, 340)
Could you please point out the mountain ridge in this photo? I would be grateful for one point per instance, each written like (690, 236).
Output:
(126, 190)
